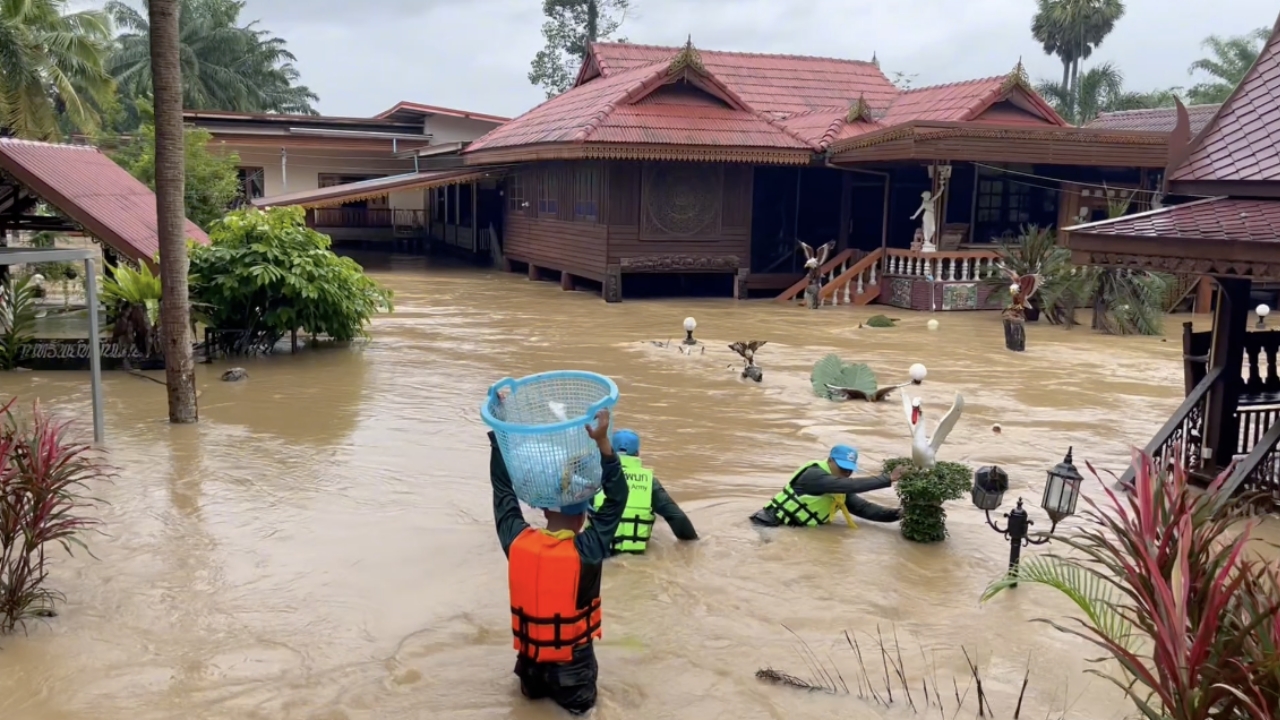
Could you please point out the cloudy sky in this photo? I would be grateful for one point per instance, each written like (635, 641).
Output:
(362, 56)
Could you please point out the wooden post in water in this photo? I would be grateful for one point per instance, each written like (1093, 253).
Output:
(1015, 335)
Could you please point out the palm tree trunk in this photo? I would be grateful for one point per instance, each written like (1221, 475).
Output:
(1066, 75)
(175, 306)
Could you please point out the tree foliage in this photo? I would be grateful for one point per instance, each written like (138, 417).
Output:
(212, 183)
(267, 273)
(1229, 59)
(1100, 89)
(923, 492)
(225, 65)
(52, 68)
(570, 28)
(1071, 30)
(17, 318)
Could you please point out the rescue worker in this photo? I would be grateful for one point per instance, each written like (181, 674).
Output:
(554, 579)
(646, 500)
(820, 489)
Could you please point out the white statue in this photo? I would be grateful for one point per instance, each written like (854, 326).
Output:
(924, 450)
(928, 226)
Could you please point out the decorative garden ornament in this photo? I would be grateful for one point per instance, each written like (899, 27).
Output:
(1022, 289)
(929, 225)
(748, 352)
(924, 450)
(814, 260)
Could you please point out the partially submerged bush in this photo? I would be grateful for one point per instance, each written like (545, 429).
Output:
(44, 479)
(1169, 590)
(17, 318)
(923, 493)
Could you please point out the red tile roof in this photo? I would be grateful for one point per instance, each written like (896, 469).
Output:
(1155, 120)
(348, 192)
(1239, 143)
(752, 101)
(776, 84)
(89, 188)
(604, 111)
(405, 106)
(1212, 219)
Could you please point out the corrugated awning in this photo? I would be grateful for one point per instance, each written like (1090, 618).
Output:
(90, 189)
(377, 187)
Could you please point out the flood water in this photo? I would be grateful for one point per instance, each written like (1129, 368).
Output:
(321, 544)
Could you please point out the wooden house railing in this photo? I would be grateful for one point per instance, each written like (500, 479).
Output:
(950, 266)
(830, 270)
(858, 285)
(345, 217)
(1181, 439)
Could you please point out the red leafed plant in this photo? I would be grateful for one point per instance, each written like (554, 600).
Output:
(44, 479)
(1172, 594)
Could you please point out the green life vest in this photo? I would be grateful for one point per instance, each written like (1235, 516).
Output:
(804, 510)
(637, 517)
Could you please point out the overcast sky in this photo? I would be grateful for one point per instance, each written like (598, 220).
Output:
(362, 56)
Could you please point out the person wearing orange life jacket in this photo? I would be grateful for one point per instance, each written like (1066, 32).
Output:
(822, 489)
(646, 502)
(554, 580)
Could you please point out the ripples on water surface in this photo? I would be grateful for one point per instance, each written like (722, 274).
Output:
(321, 544)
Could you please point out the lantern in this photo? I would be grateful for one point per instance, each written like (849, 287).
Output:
(1062, 490)
(989, 486)
(689, 326)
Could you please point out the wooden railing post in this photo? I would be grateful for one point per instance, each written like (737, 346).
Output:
(1230, 323)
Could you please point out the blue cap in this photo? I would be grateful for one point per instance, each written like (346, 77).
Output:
(626, 442)
(574, 509)
(845, 457)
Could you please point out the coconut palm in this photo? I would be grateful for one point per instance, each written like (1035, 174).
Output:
(1230, 58)
(225, 66)
(175, 307)
(1099, 89)
(1072, 30)
(51, 66)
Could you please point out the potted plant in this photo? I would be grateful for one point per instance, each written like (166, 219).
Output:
(923, 492)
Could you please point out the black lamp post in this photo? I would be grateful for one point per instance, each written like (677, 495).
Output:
(1061, 493)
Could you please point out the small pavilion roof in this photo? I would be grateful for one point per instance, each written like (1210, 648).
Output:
(350, 192)
(91, 190)
(1155, 119)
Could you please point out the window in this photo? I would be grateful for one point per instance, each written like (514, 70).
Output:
(990, 194)
(515, 193)
(585, 208)
(1003, 201)
(252, 184)
(547, 204)
(1017, 202)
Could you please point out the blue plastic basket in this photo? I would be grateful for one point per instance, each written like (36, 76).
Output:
(540, 431)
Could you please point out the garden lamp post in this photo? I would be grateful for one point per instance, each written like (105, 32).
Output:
(1263, 311)
(689, 326)
(1061, 493)
(918, 373)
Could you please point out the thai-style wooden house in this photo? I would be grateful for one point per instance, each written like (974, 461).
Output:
(679, 171)
(1233, 234)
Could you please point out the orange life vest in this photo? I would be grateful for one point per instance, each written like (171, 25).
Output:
(555, 596)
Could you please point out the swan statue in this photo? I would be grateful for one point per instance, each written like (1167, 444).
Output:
(924, 450)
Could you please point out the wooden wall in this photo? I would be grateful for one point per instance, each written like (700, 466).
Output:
(593, 218)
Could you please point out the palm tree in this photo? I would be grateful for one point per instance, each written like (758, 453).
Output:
(1099, 89)
(1072, 30)
(1230, 58)
(225, 66)
(175, 305)
(51, 65)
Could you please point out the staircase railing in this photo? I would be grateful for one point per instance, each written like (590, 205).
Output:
(1259, 471)
(830, 270)
(1182, 285)
(1183, 433)
(858, 285)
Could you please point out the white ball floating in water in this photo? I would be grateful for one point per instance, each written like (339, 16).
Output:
(996, 428)
(918, 372)
(933, 324)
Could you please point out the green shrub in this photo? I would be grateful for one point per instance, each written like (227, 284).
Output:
(923, 492)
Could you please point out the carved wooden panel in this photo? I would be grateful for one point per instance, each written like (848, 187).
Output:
(682, 199)
(680, 263)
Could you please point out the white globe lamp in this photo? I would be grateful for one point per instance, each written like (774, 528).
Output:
(918, 373)
(689, 326)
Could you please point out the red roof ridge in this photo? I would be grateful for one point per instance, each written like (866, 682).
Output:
(24, 141)
(788, 56)
(957, 83)
(777, 125)
(1138, 111)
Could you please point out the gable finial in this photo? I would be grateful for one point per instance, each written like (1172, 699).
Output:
(1018, 78)
(687, 58)
(860, 110)
(875, 60)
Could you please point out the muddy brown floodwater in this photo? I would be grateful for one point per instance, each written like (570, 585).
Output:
(321, 544)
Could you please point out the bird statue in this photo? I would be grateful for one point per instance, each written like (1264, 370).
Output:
(924, 450)
(748, 352)
(849, 393)
(814, 260)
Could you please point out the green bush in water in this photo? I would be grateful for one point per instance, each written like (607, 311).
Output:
(878, 321)
(923, 492)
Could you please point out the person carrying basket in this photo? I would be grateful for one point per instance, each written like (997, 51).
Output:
(554, 578)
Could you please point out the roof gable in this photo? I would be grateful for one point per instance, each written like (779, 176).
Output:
(91, 189)
(1238, 144)
(780, 85)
